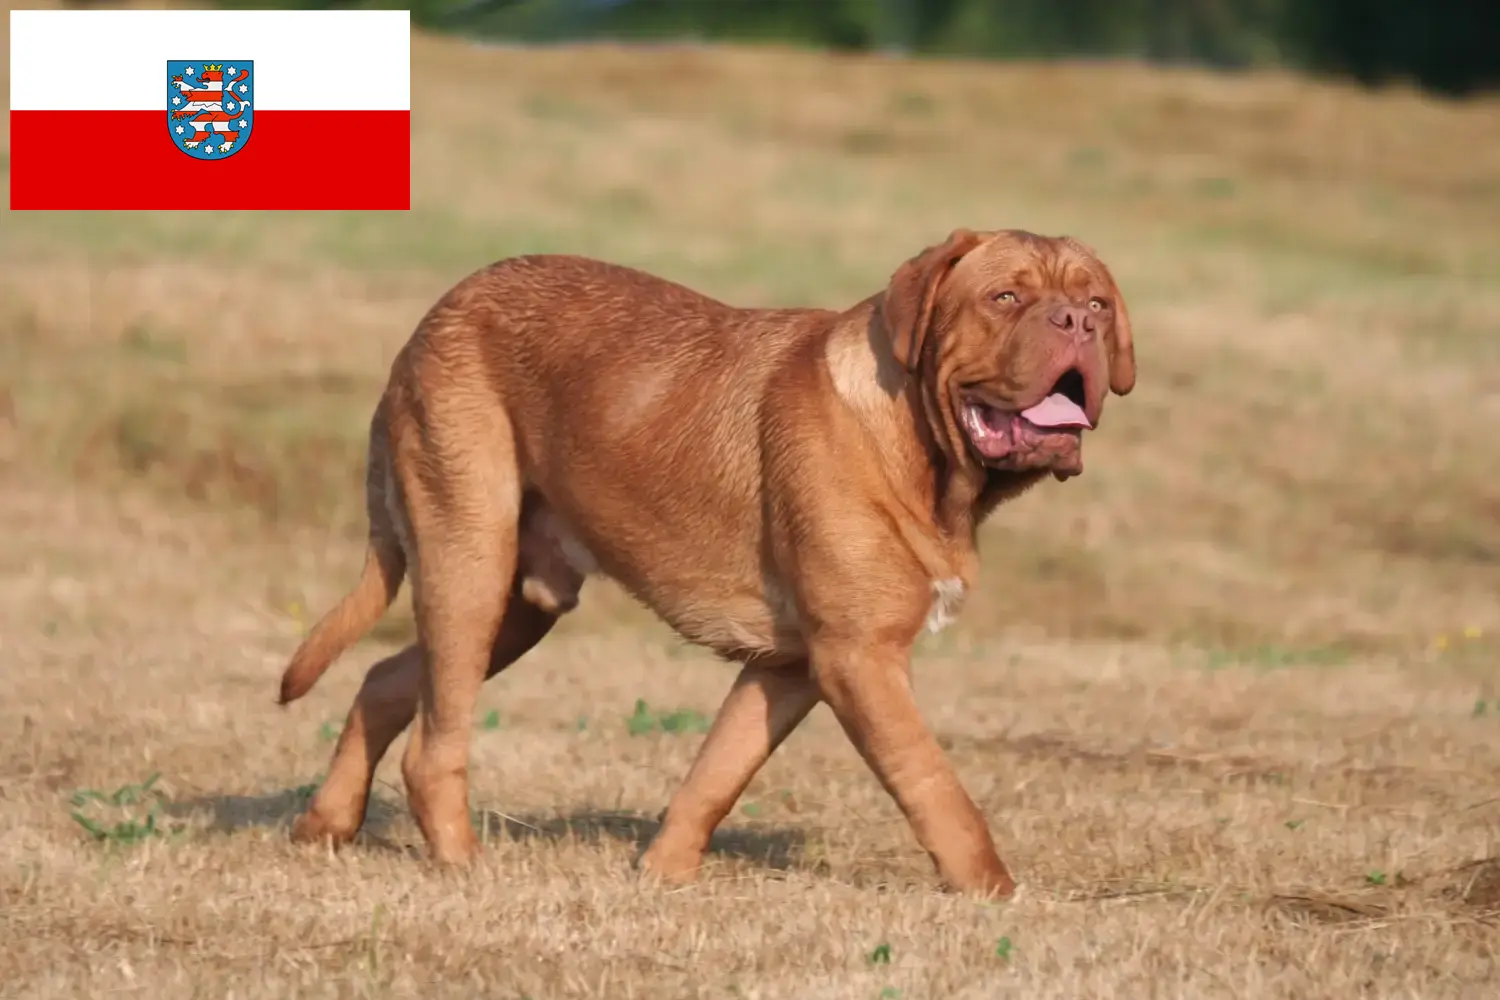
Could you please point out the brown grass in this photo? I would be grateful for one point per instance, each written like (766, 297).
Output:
(1229, 700)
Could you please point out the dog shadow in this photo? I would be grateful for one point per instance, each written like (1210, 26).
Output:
(774, 848)
(273, 810)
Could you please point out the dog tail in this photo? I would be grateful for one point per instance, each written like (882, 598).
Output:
(351, 618)
(362, 607)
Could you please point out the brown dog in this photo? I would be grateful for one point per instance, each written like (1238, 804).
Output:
(795, 489)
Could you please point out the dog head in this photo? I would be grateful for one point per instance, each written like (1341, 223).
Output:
(1017, 340)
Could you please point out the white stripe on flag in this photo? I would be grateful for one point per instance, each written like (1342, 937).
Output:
(116, 60)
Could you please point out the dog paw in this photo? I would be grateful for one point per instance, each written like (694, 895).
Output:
(311, 828)
(454, 846)
(990, 883)
(676, 866)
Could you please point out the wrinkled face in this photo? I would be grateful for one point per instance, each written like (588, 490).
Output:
(1024, 337)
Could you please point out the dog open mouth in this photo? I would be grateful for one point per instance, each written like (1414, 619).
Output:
(1048, 435)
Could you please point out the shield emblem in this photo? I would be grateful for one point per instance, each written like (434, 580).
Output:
(210, 106)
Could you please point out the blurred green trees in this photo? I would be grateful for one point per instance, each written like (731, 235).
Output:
(1451, 46)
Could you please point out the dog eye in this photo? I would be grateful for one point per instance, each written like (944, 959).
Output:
(1005, 296)
(1097, 304)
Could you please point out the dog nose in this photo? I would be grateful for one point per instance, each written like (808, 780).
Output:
(1072, 319)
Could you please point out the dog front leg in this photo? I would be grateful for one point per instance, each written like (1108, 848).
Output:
(761, 710)
(869, 689)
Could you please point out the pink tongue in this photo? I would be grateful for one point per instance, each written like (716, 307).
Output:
(1057, 410)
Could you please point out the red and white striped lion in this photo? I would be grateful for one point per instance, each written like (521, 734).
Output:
(204, 109)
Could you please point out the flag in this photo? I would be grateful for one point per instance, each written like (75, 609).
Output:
(210, 109)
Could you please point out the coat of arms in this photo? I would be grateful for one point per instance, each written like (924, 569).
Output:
(209, 112)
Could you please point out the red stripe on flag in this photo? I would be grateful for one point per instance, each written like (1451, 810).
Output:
(291, 160)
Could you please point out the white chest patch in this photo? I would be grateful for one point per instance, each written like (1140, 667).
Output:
(947, 601)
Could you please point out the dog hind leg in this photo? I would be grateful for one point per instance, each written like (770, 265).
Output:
(387, 701)
(384, 707)
(453, 453)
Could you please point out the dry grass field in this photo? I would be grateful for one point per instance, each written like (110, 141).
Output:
(1230, 700)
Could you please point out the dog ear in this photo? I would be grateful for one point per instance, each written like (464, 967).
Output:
(907, 306)
(1122, 343)
(1122, 350)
